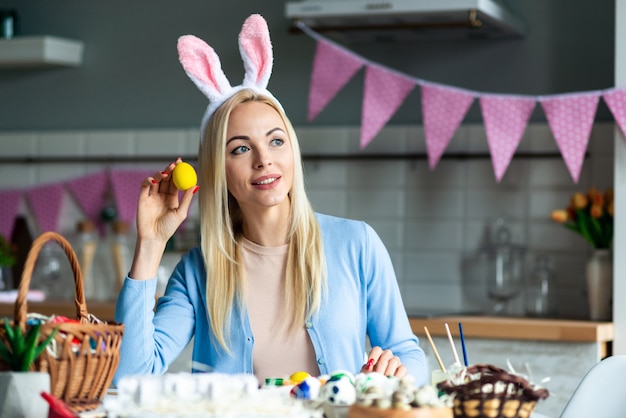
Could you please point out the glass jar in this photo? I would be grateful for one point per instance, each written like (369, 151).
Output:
(52, 273)
(86, 245)
(504, 269)
(121, 253)
(539, 298)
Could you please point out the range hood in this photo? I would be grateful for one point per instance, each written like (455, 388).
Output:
(405, 20)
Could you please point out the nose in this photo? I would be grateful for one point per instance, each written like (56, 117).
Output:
(263, 159)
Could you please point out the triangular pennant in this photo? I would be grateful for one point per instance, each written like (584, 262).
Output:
(505, 119)
(333, 67)
(571, 118)
(90, 193)
(126, 185)
(616, 101)
(9, 202)
(45, 202)
(384, 92)
(443, 110)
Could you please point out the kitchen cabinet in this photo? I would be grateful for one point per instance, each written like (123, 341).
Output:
(40, 52)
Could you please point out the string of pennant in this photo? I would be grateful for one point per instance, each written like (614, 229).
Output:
(91, 193)
(505, 116)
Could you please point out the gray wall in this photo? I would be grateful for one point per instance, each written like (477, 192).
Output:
(131, 77)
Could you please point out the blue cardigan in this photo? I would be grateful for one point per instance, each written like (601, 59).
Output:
(363, 298)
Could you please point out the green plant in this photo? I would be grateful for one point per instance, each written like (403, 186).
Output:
(20, 349)
(7, 253)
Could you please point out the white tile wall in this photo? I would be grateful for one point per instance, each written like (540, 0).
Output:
(432, 221)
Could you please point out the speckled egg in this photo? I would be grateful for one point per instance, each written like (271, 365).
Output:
(339, 390)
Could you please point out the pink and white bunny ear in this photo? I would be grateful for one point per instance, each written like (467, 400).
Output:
(203, 67)
(256, 51)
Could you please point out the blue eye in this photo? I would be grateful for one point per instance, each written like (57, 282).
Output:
(240, 150)
(277, 142)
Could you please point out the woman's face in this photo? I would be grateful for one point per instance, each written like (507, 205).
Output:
(259, 158)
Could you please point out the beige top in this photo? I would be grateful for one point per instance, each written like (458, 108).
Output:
(277, 353)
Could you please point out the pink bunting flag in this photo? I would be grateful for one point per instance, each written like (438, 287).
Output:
(126, 185)
(9, 202)
(616, 101)
(333, 67)
(443, 110)
(384, 92)
(45, 202)
(90, 193)
(571, 118)
(505, 120)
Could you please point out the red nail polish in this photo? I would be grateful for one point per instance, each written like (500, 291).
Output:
(369, 364)
(164, 173)
(154, 181)
(195, 190)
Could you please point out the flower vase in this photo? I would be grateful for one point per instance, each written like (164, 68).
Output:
(599, 270)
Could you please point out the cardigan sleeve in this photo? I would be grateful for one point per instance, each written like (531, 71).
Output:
(152, 341)
(387, 321)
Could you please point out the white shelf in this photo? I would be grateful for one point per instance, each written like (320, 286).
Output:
(40, 51)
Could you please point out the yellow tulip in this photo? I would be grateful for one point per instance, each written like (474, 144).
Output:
(579, 200)
(559, 215)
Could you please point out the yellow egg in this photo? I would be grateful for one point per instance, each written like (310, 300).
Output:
(184, 176)
(299, 377)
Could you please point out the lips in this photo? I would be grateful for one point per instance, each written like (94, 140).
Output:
(268, 181)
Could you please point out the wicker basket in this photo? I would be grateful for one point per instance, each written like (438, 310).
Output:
(84, 355)
(515, 397)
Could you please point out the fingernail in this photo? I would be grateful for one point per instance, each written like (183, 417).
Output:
(154, 181)
(369, 364)
(195, 190)
(164, 173)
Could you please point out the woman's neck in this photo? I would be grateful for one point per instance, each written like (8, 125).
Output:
(268, 228)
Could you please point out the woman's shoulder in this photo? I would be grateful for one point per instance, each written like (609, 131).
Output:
(192, 261)
(336, 225)
(189, 254)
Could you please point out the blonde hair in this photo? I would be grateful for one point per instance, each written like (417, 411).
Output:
(221, 225)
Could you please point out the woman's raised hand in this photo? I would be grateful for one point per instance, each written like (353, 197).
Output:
(160, 212)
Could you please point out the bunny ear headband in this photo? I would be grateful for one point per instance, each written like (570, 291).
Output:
(203, 67)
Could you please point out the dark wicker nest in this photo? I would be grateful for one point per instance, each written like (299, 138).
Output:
(496, 393)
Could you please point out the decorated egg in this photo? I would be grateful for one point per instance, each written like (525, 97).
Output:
(338, 374)
(298, 377)
(364, 382)
(339, 390)
(184, 176)
(309, 389)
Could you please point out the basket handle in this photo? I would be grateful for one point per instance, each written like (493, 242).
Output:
(20, 310)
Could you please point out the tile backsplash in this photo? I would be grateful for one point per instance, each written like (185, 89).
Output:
(434, 222)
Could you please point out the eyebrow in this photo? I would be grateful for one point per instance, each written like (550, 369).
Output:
(247, 138)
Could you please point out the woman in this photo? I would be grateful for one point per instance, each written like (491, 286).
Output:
(274, 288)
